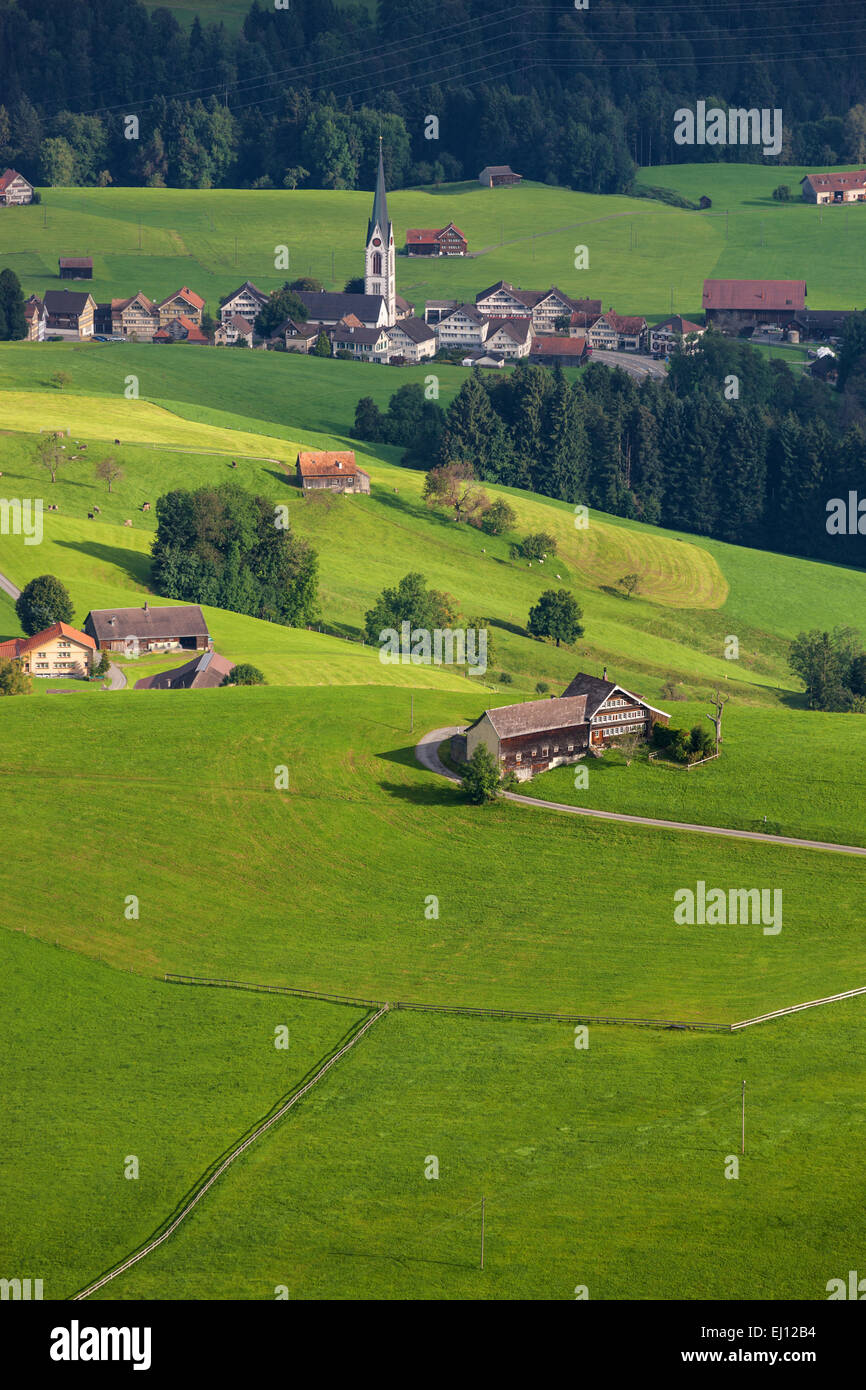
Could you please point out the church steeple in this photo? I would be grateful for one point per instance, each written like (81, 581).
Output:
(379, 271)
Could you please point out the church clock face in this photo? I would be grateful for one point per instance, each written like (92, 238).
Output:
(377, 241)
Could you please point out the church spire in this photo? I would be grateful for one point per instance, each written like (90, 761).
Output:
(379, 215)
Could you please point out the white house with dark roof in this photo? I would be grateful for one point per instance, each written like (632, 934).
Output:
(14, 188)
(509, 337)
(590, 715)
(412, 339)
(464, 326)
(248, 301)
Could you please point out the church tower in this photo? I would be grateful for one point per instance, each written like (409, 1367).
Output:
(379, 274)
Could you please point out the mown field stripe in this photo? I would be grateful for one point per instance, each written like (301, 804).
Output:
(235, 1153)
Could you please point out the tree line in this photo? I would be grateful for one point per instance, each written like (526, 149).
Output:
(300, 94)
(728, 445)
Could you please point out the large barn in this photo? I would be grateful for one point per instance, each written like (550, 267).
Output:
(148, 629)
(736, 304)
(589, 716)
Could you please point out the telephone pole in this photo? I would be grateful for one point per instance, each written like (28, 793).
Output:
(743, 1143)
(482, 1231)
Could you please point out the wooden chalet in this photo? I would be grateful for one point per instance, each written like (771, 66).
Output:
(498, 176)
(736, 304)
(335, 471)
(14, 189)
(443, 241)
(589, 716)
(75, 267)
(70, 312)
(148, 629)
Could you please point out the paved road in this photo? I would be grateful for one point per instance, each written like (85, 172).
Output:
(116, 678)
(9, 588)
(427, 754)
(636, 364)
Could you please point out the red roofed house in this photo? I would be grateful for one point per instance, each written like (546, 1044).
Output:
(14, 188)
(591, 713)
(617, 333)
(180, 330)
(336, 471)
(556, 348)
(849, 187)
(184, 302)
(446, 241)
(736, 304)
(60, 650)
(665, 337)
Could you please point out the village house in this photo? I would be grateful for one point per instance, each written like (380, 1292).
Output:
(248, 301)
(589, 716)
(509, 337)
(444, 241)
(412, 339)
(547, 350)
(233, 330)
(665, 337)
(834, 187)
(36, 316)
(482, 359)
(736, 304)
(367, 344)
(136, 317)
(59, 650)
(148, 629)
(70, 313)
(297, 337)
(546, 309)
(371, 310)
(498, 176)
(14, 189)
(335, 471)
(181, 330)
(464, 326)
(75, 267)
(184, 303)
(436, 309)
(202, 673)
(617, 333)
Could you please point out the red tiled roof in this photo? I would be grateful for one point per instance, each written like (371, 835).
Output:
(9, 176)
(754, 294)
(194, 333)
(183, 293)
(837, 183)
(561, 347)
(76, 262)
(328, 464)
(17, 646)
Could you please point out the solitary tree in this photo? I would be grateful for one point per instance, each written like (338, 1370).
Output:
(244, 674)
(557, 614)
(629, 584)
(61, 379)
(50, 453)
(323, 346)
(109, 471)
(453, 488)
(295, 174)
(43, 602)
(716, 721)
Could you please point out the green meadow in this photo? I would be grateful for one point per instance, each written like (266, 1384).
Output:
(644, 256)
(602, 1169)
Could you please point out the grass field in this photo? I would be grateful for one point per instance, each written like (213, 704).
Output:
(602, 1168)
(102, 1077)
(259, 891)
(644, 257)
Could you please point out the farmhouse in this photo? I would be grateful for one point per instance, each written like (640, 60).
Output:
(834, 187)
(248, 301)
(14, 188)
(367, 344)
(547, 351)
(412, 339)
(498, 176)
(59, 650)
(136, 317)
(617, 333)
(75, 267)
(202, 673)
(298, 337)
(464, 326)
(666, 336)
(183, 303)
(70, 312)
(371, 310)
(181, 330)
(436, 309)
(445, 241)
(36, 316)
(545, 308)
(148, 629)
(509, 337)
(334, 470)
(736, 304)
(233, 330)
(589, 715)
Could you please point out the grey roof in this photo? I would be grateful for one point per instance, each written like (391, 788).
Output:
(416, 329)
(251, 288)
(326, 305)
(66, 301)
(202, 673)
(379, 215)
(347, 334)
(158, 623)
(537, 716)
(469, 310)
(596, 691)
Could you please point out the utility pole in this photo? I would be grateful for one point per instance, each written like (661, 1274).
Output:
(482, 1228)
(236, 250)
(726, 224)
(139, 233)
(412, 713)
(742, 1144)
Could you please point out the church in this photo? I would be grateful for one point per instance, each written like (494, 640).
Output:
(380, 306)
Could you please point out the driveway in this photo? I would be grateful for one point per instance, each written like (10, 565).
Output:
(426, 752)
(116, 678)
(9, 588)
(636, 364)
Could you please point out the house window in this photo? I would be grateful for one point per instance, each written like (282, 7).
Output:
(517, 757)
(544, 752)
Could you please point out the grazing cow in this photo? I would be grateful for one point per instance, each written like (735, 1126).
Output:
(145, 506)
(117, 441)
(127, 523)
(90, 516)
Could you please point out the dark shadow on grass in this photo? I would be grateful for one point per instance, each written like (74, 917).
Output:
(439, 793)
(136, 565)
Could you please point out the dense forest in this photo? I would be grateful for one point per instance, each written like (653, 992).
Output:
(566, 96)
(729, 445)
